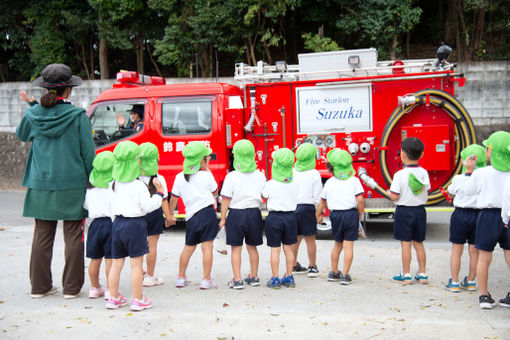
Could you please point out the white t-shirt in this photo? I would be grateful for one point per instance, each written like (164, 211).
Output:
(505, 203)
(244, 189)
(161, 179)
(280, 196)
(197, 193)
(461, 200)
(487, 185)
(98, 202)
(132, 199)
(310, 186)
(400, 186)
(341, 194)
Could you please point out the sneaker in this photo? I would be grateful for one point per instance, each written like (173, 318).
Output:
(181, 282)
(237, 285)
(107, 295)
(138, 305)
(334, 277)
(505, 302)
(313, 271)
(486, 301)
(96, 292)
(345, 279)
(422, 278)
(288, 281)
(469, 285)
(52, 291)
(404, 278)
(151, 281)
(299, 269)
(252, 280)
(71, 296)
(274, 283)
(114, 303)
(207, 284)
(452, 286)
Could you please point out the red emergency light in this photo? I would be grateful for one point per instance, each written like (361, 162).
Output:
(133, 78)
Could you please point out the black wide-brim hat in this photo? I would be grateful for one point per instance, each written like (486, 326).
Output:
(57, 75)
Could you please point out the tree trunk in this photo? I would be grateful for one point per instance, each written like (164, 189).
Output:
(104, 69)
(152, 59)
(139, 52)
(393, 48)
(478, 31)
(91, 56)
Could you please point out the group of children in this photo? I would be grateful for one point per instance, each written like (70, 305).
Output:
(126, 188)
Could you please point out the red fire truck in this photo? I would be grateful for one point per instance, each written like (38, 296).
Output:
(344, 99)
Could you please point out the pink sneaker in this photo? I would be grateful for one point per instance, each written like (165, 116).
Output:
(138, 305)
(114, 303)
(150, 281)
(107, 295)
(96, 292)
(207, 284)
(181, 282)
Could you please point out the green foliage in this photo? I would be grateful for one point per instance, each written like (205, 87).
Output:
(316, 43)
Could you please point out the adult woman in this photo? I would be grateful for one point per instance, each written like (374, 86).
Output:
(57, 168)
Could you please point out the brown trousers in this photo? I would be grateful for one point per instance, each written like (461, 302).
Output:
(42, 253)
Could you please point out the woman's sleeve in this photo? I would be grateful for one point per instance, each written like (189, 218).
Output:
(24, 130)
(87, 147)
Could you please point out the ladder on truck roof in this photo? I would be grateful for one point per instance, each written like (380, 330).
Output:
(335, 65)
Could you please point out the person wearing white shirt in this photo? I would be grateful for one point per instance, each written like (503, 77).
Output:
(463, 223)
(343, 195)
(197, 188)
(409, 191)
(281, 223)
(241, 197)
(310, 186)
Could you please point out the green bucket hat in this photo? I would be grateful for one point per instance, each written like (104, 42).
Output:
(101, 173)
(478, 151)
(498, 143)
(281, 170)
(149, 159)
(415, 184)
(193, 153)
(341, 161)
(244, 156)
(127, 166)
(306, 156)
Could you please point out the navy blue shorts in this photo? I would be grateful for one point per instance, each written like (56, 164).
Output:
(99, 238)
(344, 224)
(410, 223)
(155, 222)
(129, 237)
(202, 226)
(244, 224)
(490, 230)
(281, 227)
(463, 225)
(307, 224)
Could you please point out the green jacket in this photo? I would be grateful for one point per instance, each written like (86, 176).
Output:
(62, 150)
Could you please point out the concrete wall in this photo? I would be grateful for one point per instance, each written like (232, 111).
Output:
(486, 96)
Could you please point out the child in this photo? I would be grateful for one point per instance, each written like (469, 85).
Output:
(241, 196)
(281, 223)
(197, 188)
(99, 236)
(131, 202)
(409, 191)
(463, 223)
(155, 220)
(343, 195)
(310, 187)
(487, 184)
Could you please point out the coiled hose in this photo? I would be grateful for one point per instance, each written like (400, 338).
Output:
(464, 131)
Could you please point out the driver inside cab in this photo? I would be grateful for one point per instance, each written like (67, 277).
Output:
(136, 121)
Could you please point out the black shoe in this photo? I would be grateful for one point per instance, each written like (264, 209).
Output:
(505, 302)
(345, 279)
(299, 269)
(334, 277)
(313, 271)
(486, 301)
